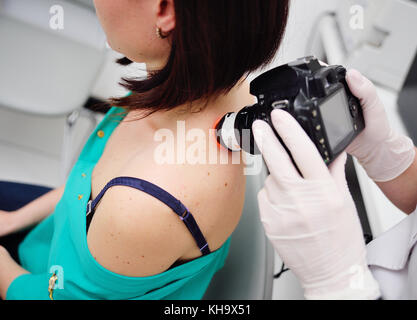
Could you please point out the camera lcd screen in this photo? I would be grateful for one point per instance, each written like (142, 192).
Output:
(336, 118)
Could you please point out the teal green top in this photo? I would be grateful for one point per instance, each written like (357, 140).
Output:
(59, 245)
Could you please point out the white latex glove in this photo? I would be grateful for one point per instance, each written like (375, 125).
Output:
(312, 220)
(382, 152)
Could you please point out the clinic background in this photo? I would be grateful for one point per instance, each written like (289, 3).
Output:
(41, 135)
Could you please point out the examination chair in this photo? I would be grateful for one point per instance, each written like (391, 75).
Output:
(249, 267)
(47, 70)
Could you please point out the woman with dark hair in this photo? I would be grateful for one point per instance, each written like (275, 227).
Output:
(139, 240)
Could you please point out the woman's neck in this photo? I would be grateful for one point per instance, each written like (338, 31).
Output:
(197, 113)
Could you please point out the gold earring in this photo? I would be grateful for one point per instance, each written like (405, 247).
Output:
(159, 33)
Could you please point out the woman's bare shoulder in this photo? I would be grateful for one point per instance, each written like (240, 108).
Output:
(214, 194)
(135, 234)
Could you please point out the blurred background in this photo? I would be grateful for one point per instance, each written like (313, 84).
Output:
(53, 71)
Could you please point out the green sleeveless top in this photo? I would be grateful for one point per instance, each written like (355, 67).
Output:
(58, 246)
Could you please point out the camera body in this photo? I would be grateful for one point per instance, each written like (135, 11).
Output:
(317, 96)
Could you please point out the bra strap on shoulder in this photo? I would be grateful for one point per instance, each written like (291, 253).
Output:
(192, 226)
(177, 206)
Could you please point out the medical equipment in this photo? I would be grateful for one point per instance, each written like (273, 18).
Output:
(317, 96)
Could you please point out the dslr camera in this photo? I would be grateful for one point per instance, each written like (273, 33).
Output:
(317, 96)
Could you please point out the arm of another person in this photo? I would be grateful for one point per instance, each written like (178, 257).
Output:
(387, 156)
(402, 191)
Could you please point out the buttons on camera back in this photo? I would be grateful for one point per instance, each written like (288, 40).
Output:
(315, 131)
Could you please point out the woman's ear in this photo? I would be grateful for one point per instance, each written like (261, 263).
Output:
(165, 15)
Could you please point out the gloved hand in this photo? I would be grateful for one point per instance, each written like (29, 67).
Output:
(311, 220)
(382, 152)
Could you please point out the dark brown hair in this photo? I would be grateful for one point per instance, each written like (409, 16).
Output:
(214, 44)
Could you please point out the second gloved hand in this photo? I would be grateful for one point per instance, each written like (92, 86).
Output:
(382, 152)
(311, 219)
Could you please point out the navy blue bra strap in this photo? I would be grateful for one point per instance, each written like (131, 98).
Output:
(155, 191)
(192, 226)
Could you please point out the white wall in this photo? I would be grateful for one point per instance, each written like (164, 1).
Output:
(302, 16)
